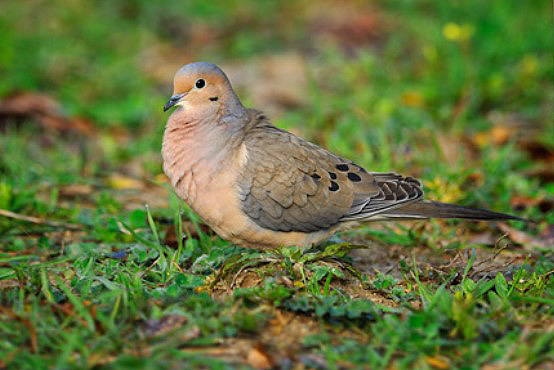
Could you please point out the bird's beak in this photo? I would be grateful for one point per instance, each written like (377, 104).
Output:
(173, 100)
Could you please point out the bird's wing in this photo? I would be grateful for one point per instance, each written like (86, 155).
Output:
(288, 184)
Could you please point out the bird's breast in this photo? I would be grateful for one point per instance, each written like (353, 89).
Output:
(207, 183)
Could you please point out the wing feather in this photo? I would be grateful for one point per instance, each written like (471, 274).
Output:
(288, 184)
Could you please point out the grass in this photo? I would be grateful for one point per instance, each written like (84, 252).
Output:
(458, 94)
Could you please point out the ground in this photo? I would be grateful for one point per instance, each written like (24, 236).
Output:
(101, 265)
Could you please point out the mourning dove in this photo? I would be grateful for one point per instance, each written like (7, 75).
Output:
(260, 186)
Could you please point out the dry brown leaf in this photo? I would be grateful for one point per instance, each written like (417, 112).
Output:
(438, 362)
(476, 178)
(161, 178)
(544, 171)
(75, 190)
(521, 202)
(500, 134)
(156, 327)
(43, 109)
(118, 181)
(413, 98)
(497, 135)
(537, 150)
(258, 358)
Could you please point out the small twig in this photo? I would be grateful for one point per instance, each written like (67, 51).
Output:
(36, 220)
(256, 262)
(549, 273)
(178, 267)
(453, 260)
(122, 228)
(62, 249)
(497, 251)
(150, 267)
(393, 266)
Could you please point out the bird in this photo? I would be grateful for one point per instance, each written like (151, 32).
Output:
(259, 186)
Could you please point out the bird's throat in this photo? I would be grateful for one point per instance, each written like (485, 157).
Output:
(190, 146)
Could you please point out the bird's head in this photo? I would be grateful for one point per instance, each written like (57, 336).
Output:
(201, 86)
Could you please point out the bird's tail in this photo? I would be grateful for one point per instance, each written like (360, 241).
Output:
(432, 209)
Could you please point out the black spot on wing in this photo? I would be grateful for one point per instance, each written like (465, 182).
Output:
(342, 167)
(354, 177)
(334, 186)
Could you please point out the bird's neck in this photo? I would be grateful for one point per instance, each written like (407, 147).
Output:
(191, 144)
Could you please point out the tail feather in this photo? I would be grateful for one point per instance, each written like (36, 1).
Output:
(432, 209)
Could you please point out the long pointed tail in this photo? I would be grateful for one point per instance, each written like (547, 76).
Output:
(432, 209)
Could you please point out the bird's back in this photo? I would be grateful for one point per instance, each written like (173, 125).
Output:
(289, 184)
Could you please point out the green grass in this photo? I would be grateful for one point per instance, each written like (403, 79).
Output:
(422, 93)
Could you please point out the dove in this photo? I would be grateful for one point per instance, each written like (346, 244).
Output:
(259, 186)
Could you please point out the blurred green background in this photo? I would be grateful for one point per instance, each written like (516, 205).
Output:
(112, 61)
(458, 93)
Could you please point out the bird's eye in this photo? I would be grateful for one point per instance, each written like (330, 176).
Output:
(200, 83)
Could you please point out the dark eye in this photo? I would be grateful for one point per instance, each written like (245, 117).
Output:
(200, 83)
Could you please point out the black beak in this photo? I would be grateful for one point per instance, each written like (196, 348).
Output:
(172, 101)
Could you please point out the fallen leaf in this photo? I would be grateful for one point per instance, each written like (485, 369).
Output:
(438, 362)
(546, 205)
(521, 202)
(412, 98)
(47, 112)
(476, 178)
(161, 178)
(544, 172)
(500, 134)
(497, 135)
(117, 181)
(537, 150)
(75, 190)
(258, 358)
(156, 327)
